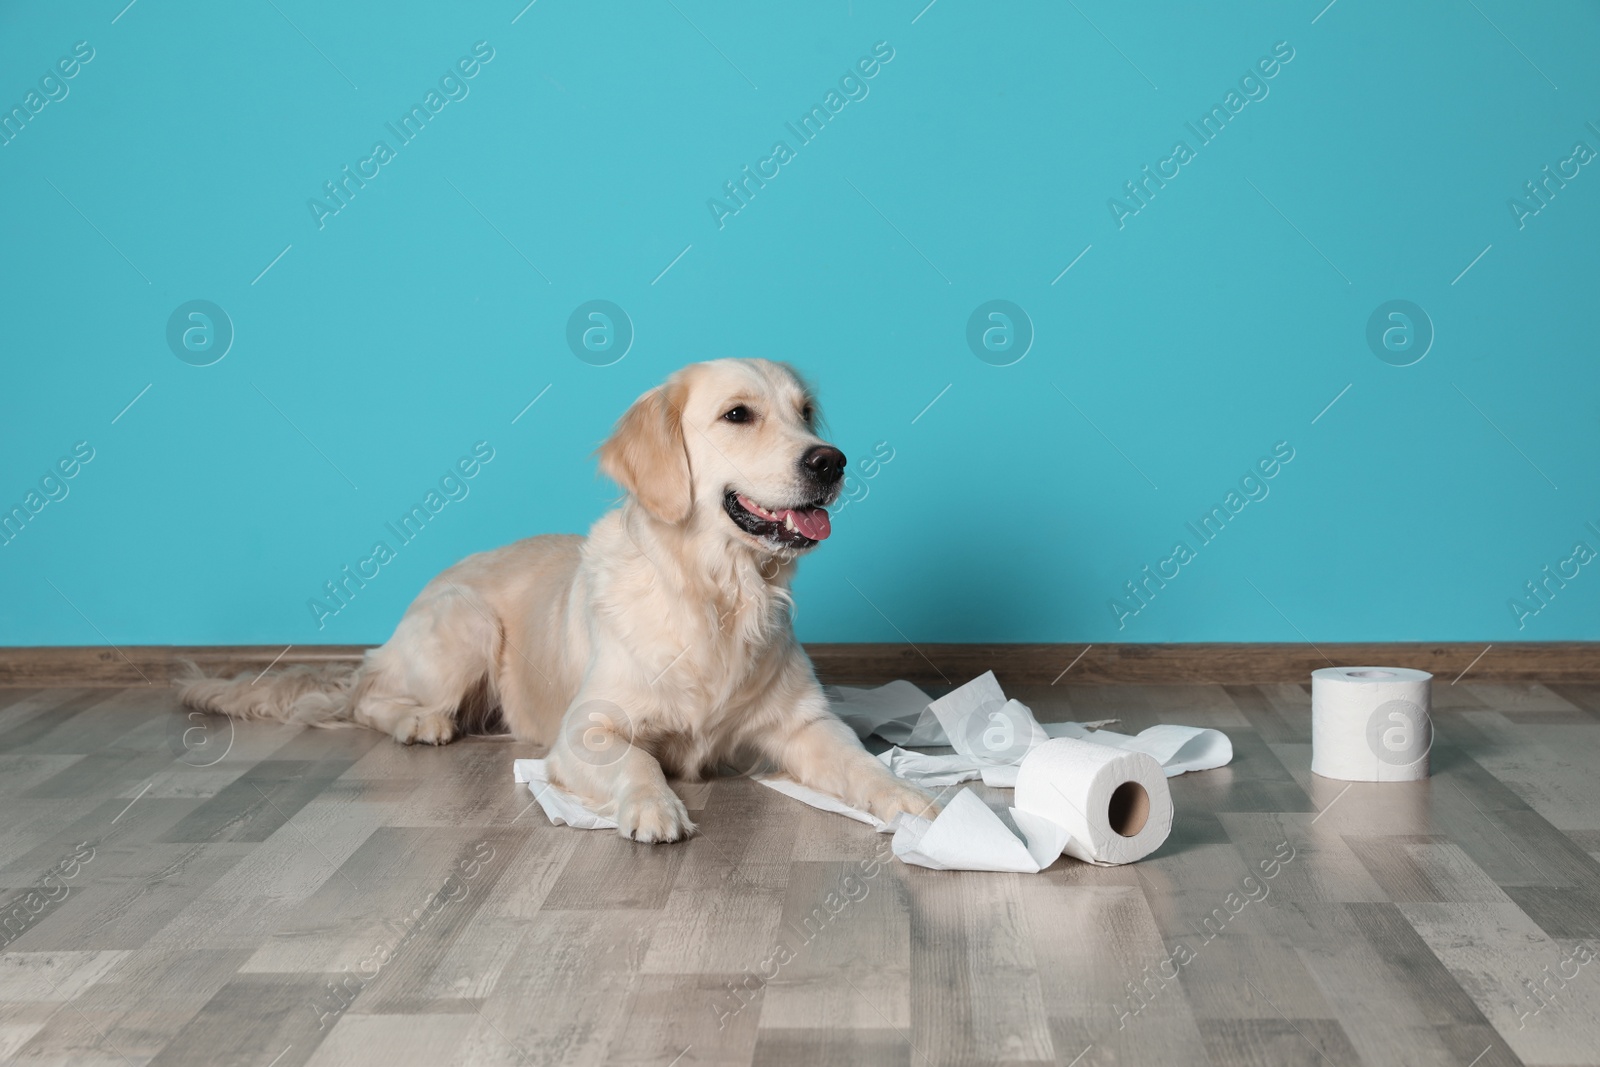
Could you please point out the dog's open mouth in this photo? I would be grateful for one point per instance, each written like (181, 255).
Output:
(799, 527)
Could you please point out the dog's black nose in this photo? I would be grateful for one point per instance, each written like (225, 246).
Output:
(824, 463)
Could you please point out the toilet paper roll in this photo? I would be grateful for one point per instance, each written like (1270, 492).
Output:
(1371, 724)
(1113, 805)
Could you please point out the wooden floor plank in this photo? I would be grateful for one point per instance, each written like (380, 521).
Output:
(1110, 979)
(1375, 1004)
(134, 1011)
(45, 711)
(839, 954)
(382, 1040)
(833, 1048)
(1280, 1042)
(1514, 975)
(567, 994)
(978, 998)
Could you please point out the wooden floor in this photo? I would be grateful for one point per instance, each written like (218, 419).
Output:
(174, 894)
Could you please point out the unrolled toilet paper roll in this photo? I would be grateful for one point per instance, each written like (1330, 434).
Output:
(1096, 795)
(1371, 724)
(1114, 805)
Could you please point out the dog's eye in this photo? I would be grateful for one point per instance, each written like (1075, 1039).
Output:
(740, 413)
(806, 413)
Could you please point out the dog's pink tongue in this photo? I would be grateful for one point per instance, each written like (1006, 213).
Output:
(812, 522)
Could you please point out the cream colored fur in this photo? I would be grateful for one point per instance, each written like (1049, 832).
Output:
(658, 645)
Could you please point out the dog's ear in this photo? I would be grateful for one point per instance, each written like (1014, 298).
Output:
(646, 455)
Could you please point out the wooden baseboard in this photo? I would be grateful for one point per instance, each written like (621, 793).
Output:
(96, 665)
(929, 664)
(1202, 664)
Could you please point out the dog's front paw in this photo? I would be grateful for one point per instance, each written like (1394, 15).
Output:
(652, 817)
(888, 798)
(428, 728)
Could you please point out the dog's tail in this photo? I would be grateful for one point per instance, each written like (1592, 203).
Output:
(324, 695)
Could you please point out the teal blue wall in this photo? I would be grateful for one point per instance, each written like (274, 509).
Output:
(1198, 329)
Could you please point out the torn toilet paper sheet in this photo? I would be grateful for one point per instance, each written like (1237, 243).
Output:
(1077, 779)
(977, 719)
(969, 836)
(1096, 803)
(560, 806)
(992, 735)
(903, 714)
(564, 809)
(1179, 750)
(928, 771)
(897, 712)
(823, 801)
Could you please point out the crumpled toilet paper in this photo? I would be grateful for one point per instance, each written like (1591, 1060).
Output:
(994, 739)
(1073, 797)
(897, 712)
(969, 836)
(992, 735)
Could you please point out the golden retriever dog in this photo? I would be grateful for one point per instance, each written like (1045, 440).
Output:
(659, 645)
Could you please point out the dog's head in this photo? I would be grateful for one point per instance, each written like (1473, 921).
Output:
(735, 437)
